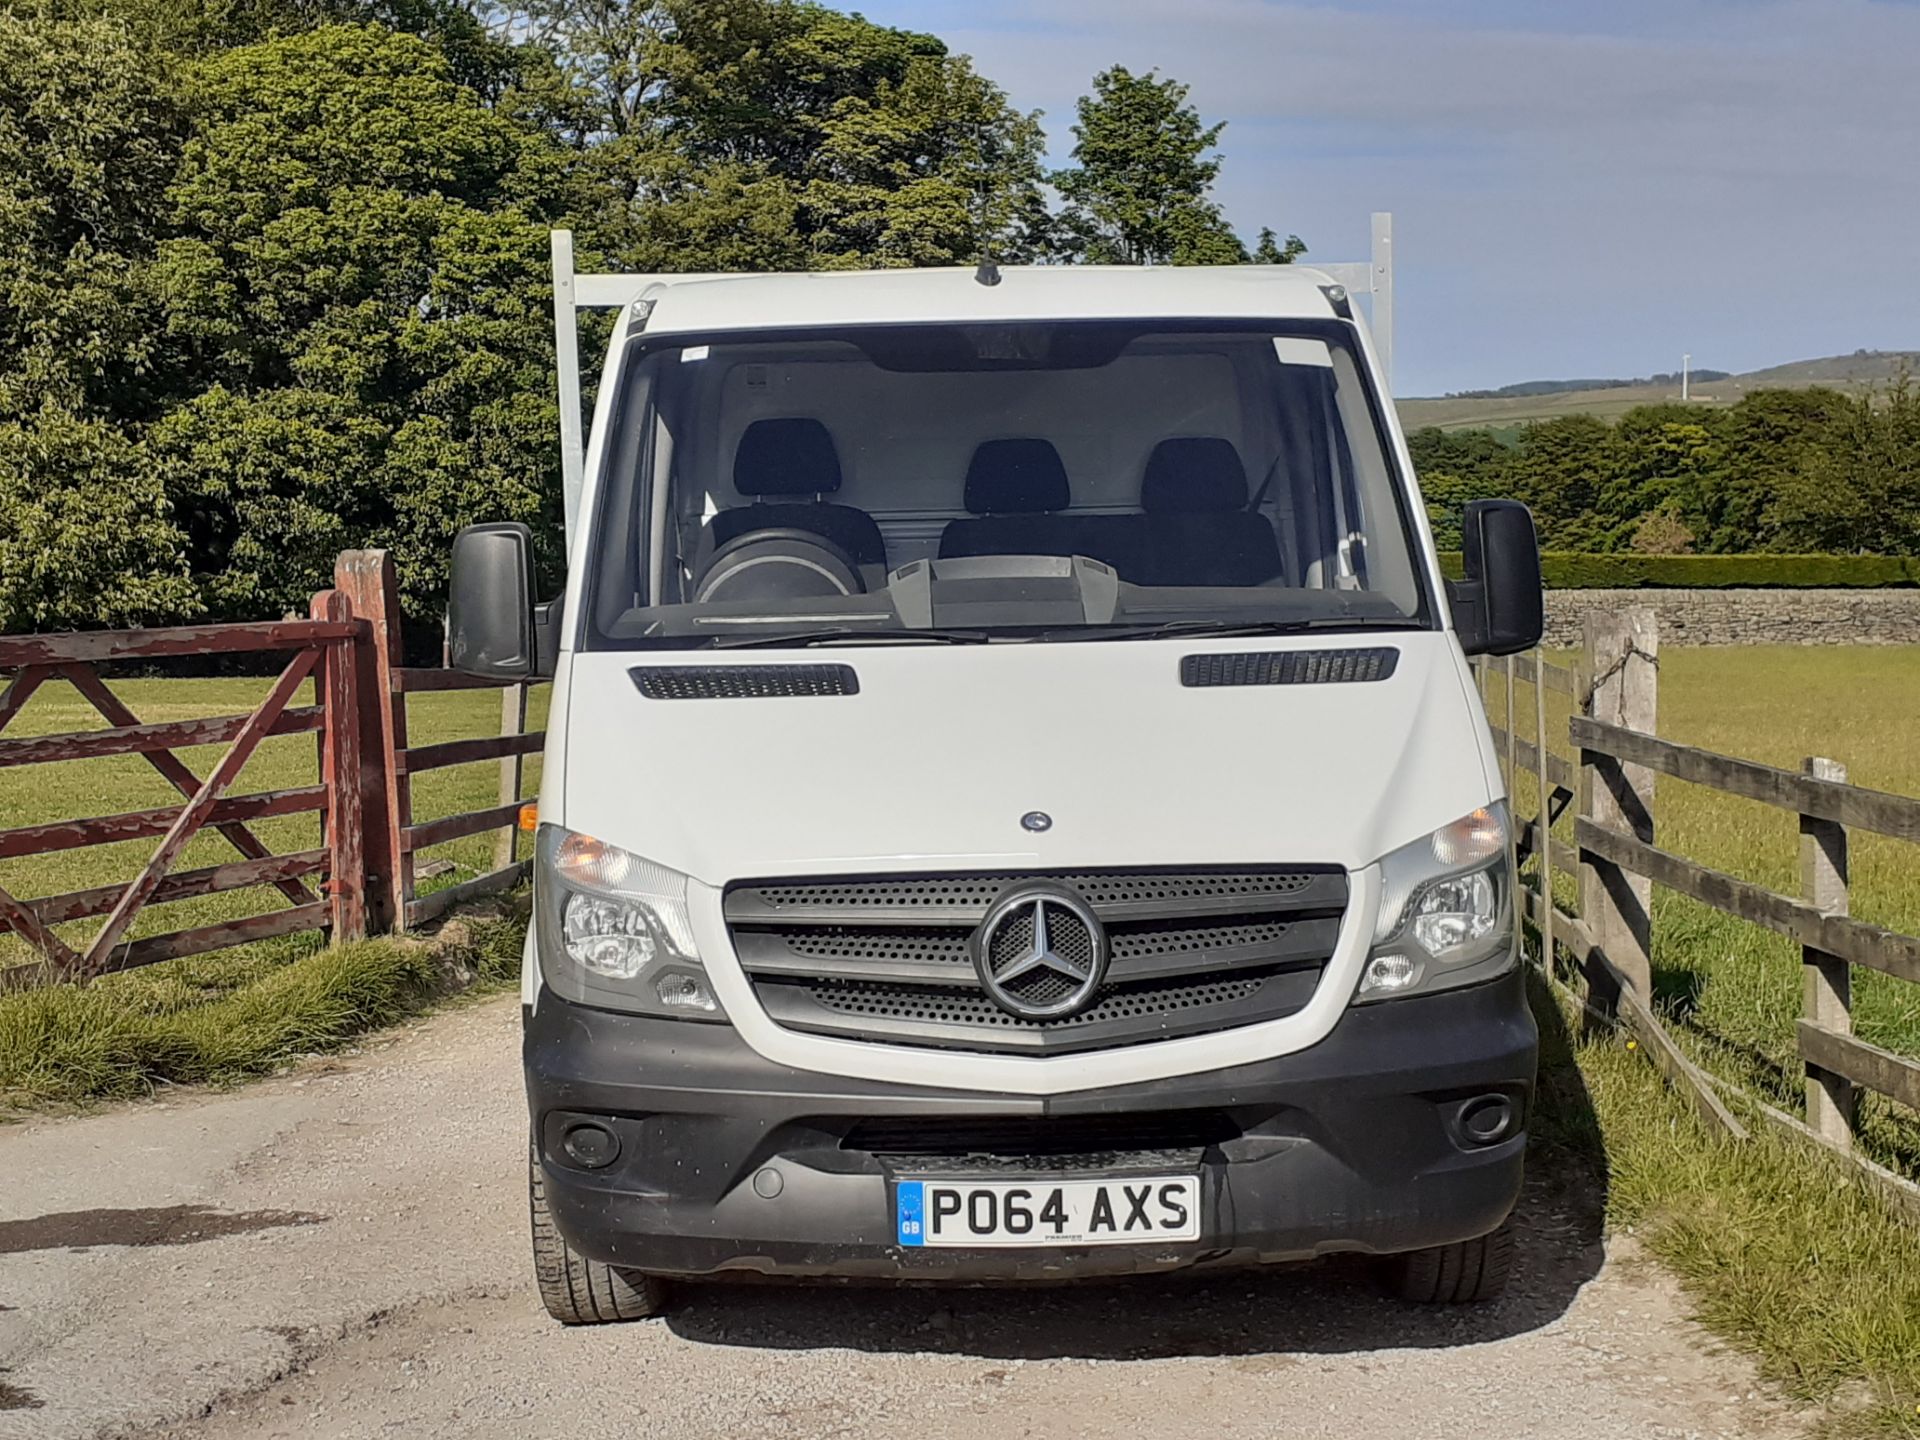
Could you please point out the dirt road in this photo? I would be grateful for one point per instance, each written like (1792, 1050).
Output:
(342, 1252)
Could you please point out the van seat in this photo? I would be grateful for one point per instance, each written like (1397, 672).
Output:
(1016, 490)
(787, 458)
(1197, 529)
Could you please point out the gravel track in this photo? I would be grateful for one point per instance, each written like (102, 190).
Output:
(343, 1252)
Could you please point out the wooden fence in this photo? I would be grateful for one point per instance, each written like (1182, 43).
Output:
(1609, 783)
(368, 577)
(361, 876)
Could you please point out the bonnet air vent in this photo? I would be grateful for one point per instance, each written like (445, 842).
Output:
(743, 682)
(1290, 667)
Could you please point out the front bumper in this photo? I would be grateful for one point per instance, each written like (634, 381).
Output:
(730, 1162)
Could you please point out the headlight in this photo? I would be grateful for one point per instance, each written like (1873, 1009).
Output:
(614, 929)
(1446, 914)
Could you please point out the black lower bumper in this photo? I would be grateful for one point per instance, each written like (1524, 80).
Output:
(1376, 1139)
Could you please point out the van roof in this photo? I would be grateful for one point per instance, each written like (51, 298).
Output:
(699, 303)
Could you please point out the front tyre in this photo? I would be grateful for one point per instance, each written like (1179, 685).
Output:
(576, 1290)
(1463, 1273)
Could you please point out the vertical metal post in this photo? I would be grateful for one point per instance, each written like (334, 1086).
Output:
(566, 345)
(513, 721)
(1513, 740)
(1382, 318)
(1543, 867)
(1620, 689)
(1828, 985)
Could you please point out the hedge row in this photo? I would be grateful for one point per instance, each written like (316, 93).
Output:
(1570, 570)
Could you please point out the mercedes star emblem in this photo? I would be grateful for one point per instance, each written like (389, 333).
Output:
(1041, 953)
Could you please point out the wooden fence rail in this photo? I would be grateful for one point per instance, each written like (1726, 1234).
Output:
(1613, 849)
(360, 878)
(319, 647)
(370, 577)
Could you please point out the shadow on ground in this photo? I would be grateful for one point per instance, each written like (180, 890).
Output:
(1328, 1307)
(155, 1225)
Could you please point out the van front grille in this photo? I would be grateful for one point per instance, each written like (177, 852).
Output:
(889, 959)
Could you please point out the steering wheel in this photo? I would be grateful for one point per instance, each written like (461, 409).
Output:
(778, 564)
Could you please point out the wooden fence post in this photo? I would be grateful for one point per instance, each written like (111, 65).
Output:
(1619, 686)
(340, 773)
(1828, 985)
(372, 586)
(513, 721)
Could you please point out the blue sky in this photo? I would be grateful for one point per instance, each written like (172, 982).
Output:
(1578, 188)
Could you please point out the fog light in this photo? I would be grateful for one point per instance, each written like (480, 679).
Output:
(1487, 1120)
(1386, 974)
(591, 1147)
(680, 991)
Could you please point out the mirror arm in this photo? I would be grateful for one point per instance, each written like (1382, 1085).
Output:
(546, 636)
(1467, 599)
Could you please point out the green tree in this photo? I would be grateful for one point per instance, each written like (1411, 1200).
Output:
(1767, 436)
(1857, 488)
(778, 134)
(1270, 251)
(88, 139)
(1455, 466)
(1560, 469)
(1465, 452)
(271, 487)
(1664, 460)
(1140, 190)
(359, 277)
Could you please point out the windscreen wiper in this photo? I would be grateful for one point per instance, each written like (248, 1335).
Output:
(849, 635)
(1227, 628)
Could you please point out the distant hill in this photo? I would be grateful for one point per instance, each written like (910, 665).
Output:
(1527, 389)
(1609, 399)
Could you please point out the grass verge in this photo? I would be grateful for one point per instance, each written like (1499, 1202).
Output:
(219, 1018)
(1777, 1247)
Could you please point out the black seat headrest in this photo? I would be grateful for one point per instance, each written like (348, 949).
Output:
(786, 457)
(1017, 477)
(1194, 474)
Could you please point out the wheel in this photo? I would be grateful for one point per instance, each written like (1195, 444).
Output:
(576, 1290)
(1462, 1273)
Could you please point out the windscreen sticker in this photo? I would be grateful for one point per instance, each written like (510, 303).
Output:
(1302, 350)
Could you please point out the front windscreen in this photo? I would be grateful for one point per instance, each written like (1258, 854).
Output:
(1076, 480)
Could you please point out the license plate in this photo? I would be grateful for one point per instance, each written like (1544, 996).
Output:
(1048, 1212)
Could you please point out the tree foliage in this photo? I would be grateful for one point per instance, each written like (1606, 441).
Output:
(86, 146)
(1140, 191)
(792, 136)
(356, 270)
(1781, 470)
(275, 271)
(1860, 489)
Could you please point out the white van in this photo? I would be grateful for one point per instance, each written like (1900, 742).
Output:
(1016, 804)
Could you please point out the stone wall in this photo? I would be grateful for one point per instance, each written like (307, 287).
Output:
(1750, 617)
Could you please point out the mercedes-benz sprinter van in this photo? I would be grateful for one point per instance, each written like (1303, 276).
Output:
(1016, 805)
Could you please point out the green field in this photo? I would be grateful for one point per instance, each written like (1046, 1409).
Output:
(38, 794)
(1852, 374)
(1733, 990)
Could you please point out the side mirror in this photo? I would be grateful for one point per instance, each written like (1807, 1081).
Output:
(1498, 608)
(490, 630)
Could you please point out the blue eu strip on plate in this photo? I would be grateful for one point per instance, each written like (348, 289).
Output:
(910, 1207)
